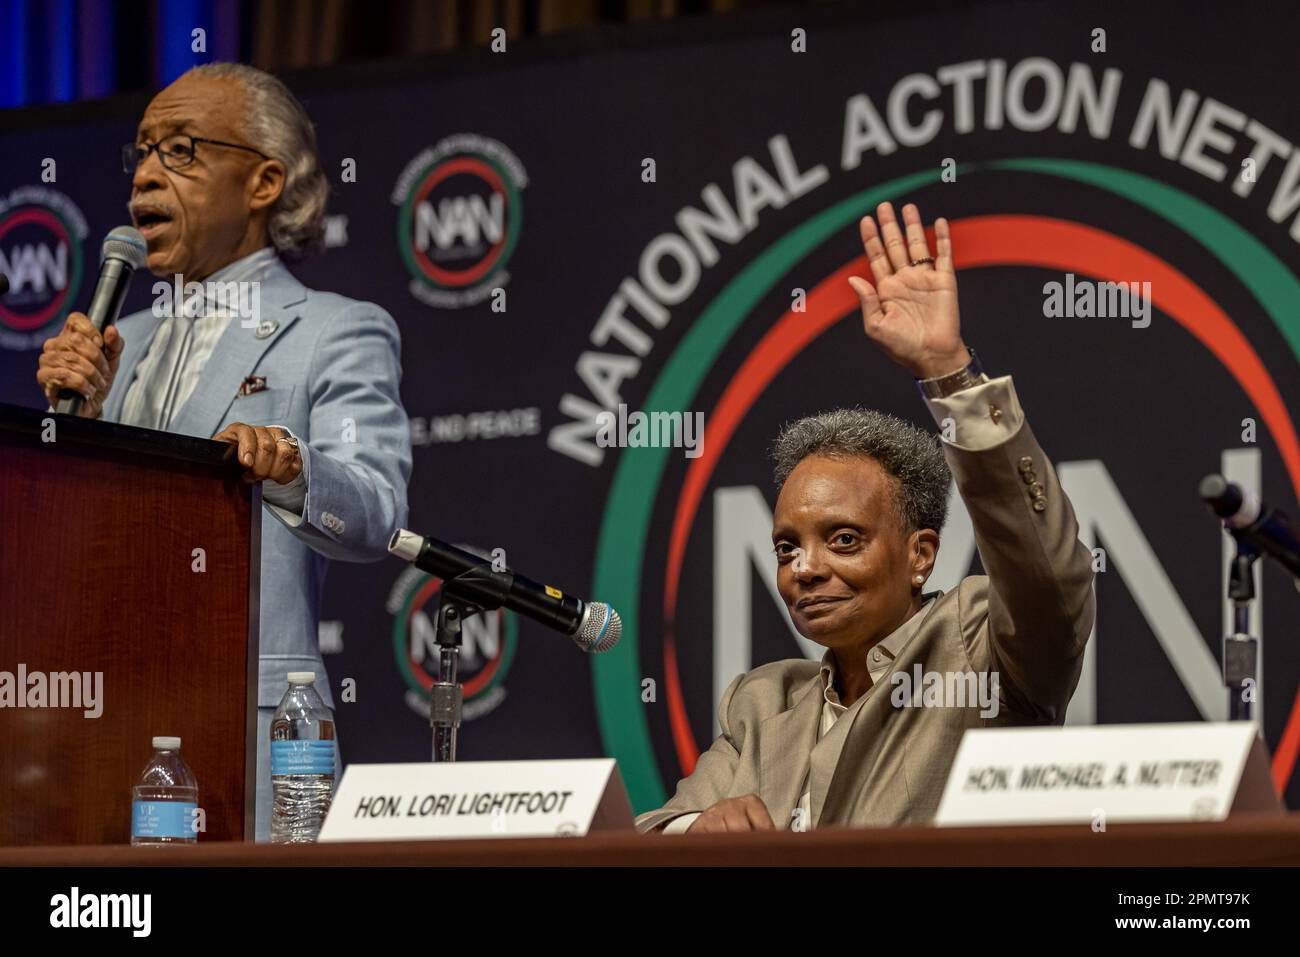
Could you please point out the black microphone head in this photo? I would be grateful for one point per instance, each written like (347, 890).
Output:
(406, 545)
(1223, 497)
(127, 244)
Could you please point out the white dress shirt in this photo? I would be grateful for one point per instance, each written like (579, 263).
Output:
(167, 375)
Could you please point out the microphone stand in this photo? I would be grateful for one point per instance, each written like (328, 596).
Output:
(468, 594)
(1240, 648)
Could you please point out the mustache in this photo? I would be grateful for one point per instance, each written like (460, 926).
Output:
(140, 207)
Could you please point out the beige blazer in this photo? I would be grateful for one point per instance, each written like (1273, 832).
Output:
(1028, 620)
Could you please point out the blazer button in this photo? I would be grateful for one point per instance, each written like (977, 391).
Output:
(1025, 463)
(1036, 490)
(1040, 503)
(1030, 477)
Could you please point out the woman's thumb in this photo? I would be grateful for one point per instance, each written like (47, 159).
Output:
(866, 295)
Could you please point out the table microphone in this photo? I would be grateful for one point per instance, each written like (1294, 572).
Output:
(593, 626)
(124, 251)
(1265, 529)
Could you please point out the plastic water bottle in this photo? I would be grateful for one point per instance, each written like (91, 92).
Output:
(165, 798)
(302, 762)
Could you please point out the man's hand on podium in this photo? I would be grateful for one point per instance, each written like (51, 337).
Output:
(265, 451)
(82, 360)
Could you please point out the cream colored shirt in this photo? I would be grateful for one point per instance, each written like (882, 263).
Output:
(977, 418)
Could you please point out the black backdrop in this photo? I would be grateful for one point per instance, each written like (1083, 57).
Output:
(561, 132)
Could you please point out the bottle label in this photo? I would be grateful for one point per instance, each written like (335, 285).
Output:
(302, 757)
(163, 819)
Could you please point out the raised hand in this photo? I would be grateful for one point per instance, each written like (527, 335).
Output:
(911, 311)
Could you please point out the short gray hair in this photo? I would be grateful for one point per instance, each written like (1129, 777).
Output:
(911, 456)
(276, 123)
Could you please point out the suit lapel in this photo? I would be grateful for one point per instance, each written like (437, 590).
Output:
(826, 757)
(854, 759)
(785, 746)
(237, 354)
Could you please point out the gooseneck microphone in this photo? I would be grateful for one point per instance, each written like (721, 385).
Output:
(1265, 529)
(593, 626)
(124, 251)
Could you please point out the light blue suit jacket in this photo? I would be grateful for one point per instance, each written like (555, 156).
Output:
(332, 367)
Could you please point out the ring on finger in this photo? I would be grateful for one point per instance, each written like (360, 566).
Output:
(923, 261)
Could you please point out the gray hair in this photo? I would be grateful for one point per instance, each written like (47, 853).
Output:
(276, 123)
(912, 456)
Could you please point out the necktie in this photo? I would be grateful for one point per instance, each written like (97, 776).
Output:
(164, 379)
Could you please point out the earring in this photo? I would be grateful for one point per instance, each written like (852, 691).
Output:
(919, 579)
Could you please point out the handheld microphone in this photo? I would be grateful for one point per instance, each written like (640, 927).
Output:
(124, 251)
(593, 626)
(1246, 517)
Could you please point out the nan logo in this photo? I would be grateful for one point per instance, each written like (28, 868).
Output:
(459, 218)
(41, 234)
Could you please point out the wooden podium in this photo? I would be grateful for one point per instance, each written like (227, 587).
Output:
(132, 555)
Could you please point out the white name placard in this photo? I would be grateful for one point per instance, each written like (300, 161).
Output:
(412, 802)
(1112, 773)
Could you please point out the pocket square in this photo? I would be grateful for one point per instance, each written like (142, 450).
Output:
(254, 383)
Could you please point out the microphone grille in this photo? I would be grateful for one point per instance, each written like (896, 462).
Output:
(601, 628)
(1212, 487)
(127, 244)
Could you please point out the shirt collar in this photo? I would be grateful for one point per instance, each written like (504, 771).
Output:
(246, 268)
(250, 268)
(881, 656)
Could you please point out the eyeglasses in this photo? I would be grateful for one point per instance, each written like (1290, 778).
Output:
(176, 151)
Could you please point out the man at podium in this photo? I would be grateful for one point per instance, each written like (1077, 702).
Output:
(866, 737)
(225, 182)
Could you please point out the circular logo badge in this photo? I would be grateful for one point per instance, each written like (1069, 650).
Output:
(459, 219)
(41, 236)
(488, 643)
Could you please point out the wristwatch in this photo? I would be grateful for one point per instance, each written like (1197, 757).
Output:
(944, 386)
